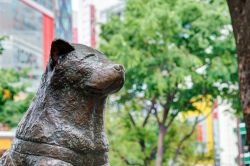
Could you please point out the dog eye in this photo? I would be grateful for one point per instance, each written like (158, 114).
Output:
(89, 55)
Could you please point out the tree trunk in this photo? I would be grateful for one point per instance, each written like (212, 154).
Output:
(160, 145)
(240, 15)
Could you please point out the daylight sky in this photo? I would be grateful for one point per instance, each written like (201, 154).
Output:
(102, 4)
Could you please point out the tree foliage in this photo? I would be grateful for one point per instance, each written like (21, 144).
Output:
(14, 100)
(173, 52)
(125, 145)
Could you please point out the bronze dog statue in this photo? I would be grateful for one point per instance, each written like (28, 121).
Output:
(64, 123)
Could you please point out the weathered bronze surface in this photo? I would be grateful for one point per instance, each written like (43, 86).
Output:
(64, 123)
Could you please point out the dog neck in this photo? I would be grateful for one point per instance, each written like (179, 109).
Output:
(62, 116)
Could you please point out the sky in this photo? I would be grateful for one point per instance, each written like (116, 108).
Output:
(102, 4)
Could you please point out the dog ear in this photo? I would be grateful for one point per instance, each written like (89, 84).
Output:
(59, 48)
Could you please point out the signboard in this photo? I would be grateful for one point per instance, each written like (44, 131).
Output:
(243, 128)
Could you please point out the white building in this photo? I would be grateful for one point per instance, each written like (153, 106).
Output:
(115, 9)
(84, 22)
(226, 138)
(87, 17)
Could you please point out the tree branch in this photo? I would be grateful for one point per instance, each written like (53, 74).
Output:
(157, 117)
(165, 115)
(132, 119)
(151, 155)
(172, 119)
(149, 112)
(166, 107)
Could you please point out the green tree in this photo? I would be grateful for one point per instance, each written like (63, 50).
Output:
(173, 51)
(14, 100)
(125, 148)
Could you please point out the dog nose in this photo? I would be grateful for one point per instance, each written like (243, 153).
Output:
(118, 67)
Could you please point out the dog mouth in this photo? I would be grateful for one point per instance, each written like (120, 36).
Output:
(113, 87)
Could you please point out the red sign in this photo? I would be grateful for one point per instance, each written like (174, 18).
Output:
(200, 132)
(75, 35)
(92, 26)
(48, 36)
(215, 115)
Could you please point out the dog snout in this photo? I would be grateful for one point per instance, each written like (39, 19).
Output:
(118, 67)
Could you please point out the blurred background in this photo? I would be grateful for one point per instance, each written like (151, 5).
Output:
(180, 103)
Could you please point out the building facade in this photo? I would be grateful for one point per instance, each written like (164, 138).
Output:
(84, 22)
(28, 28)
(216, 133)
(63, 19)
